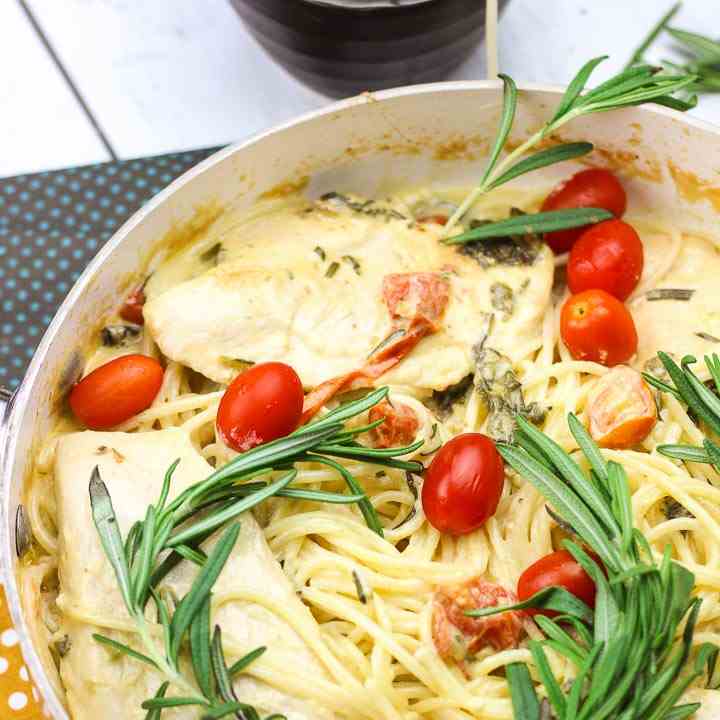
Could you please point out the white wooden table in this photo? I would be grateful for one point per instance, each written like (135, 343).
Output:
(87, 80)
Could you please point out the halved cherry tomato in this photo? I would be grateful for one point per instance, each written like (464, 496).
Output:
(589, 188)
(457, 636)
(598, 327)
(561, 569)
(463, 484)
(621, 409)
(132, 308)
(264, 403)
(608, 256)
(116, 391)
(399, 427)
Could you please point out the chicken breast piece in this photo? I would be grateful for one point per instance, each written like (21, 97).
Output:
(247, 597)
(303, 284)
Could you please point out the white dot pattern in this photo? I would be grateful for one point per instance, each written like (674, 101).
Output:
(51, 226)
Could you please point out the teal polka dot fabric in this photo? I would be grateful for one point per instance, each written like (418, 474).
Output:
(51, 225)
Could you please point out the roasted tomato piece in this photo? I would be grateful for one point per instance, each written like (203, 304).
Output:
(398, 428)
(620, 409)
(437, 218)
(132, 309)
(457, 636)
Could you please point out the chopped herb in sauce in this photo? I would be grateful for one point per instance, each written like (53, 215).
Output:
(354, 264)
(502, 299)
(366, 207)
(380, 474)
(511, 250)
(119, 335)
(443, 401)
(23, 532)
(332, 269)
(708, 337)
(502, 392)
(359, 589)
(410, 480)
(62, 646)
(212, 254)
(320, 252)
(684, 294)
(673, 510)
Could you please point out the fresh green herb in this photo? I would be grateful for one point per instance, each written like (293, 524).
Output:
(333, 267)
(353, 262)
(634, 86)
(701, 401)
(320, 252)
(502, 299)
(703, 53)
(520, 249)
(173, 530)
(684, 294)
(533, 224)
(629, 664)
(639, 55)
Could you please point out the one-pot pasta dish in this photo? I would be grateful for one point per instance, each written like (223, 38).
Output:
(402, 457)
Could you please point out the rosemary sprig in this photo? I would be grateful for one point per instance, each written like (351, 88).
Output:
(704, 53)
(629, 664)
(637, 85)
(638, 55)
(174, 531)
(700, 400)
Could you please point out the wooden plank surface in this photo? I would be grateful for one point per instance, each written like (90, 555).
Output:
(174, 74)
(41, 124)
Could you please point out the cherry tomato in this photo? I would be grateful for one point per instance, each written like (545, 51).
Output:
(561, 569)
(621, 409)
(264, 403)
(132, 308)
(463, 484)
(608, 256)
(598, 327)
(589, 188)
(116, 391)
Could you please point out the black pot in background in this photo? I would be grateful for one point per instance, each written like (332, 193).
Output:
(343, 47)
